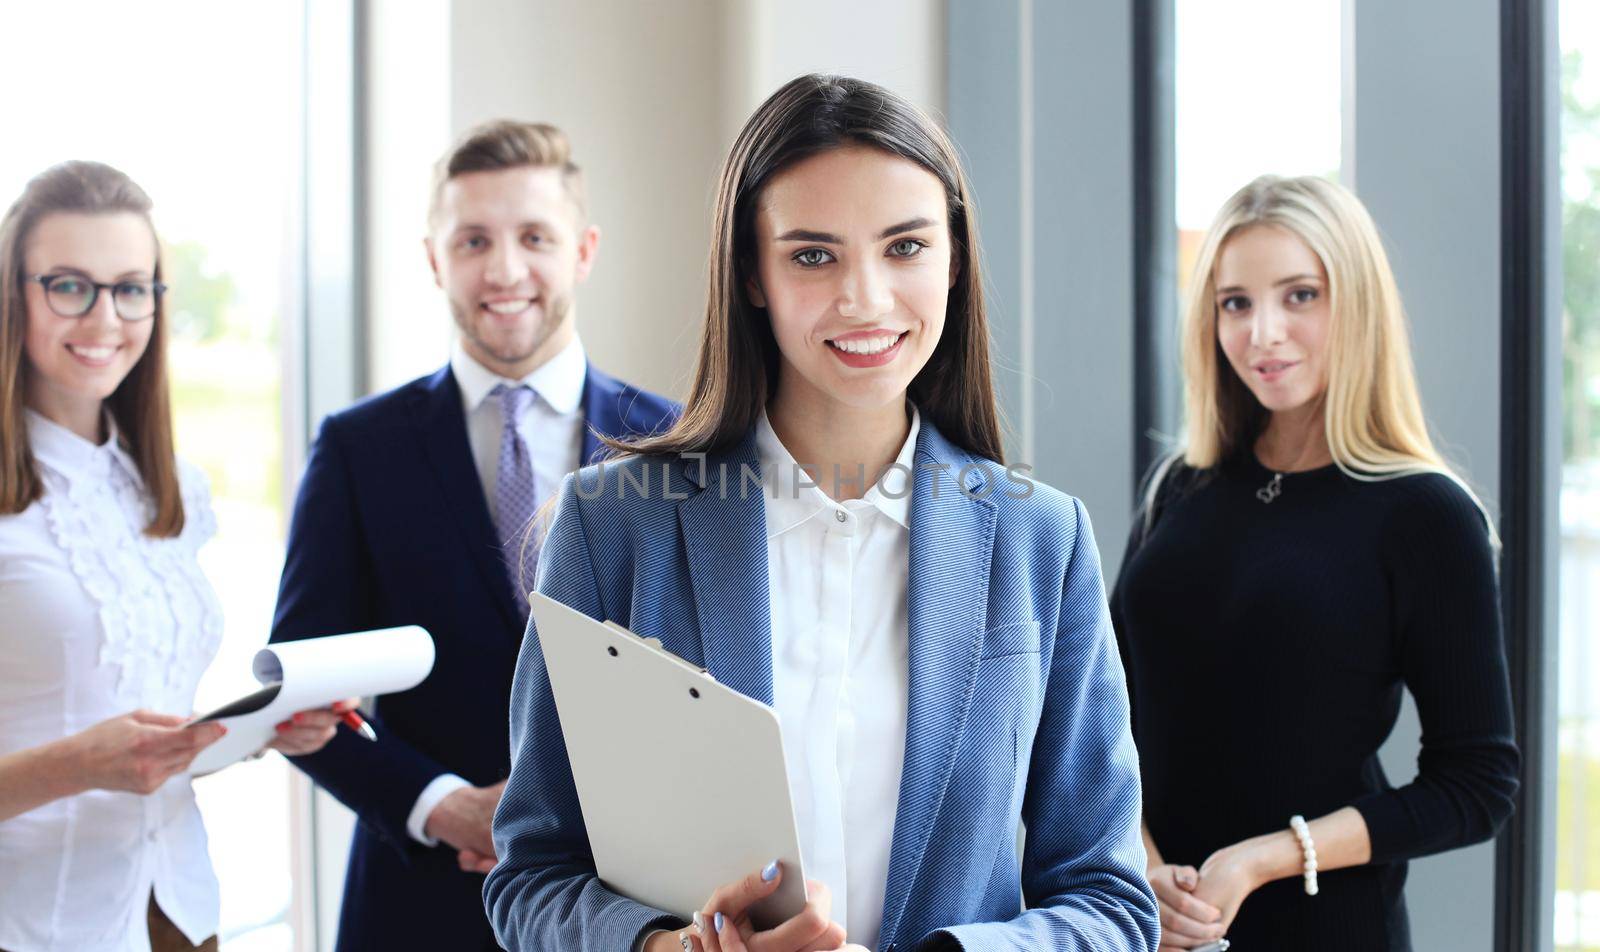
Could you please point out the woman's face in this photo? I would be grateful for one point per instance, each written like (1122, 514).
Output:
(1273, 316)
(76, 362)
(854, 266)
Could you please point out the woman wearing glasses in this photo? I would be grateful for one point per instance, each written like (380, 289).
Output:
(106, 622)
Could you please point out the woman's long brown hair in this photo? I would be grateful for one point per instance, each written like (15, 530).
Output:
(140, 405)
(737, 369)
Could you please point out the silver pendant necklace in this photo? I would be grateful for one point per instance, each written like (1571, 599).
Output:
(1272, 490)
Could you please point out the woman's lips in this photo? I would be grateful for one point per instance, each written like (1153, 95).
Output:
(94, 355)
(1272, 371)
(867, 350)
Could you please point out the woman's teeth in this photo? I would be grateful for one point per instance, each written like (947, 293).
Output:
(92, 353)
(867, 345)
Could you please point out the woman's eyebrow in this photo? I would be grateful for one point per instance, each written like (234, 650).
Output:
(828, 238)
(910, 224)
(806, 234)
(1291, 279)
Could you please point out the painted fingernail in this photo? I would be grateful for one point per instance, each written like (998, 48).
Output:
(770, 873)
(298, 717)
(699, 924)
(717, 917)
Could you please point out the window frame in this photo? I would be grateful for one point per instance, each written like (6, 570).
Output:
(1530, 454)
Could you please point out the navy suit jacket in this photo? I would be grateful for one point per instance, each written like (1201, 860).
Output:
(391, 528)
(1018, 710)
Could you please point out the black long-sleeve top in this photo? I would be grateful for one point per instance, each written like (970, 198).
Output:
(1266, 646)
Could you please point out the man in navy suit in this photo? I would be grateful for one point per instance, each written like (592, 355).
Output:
(413, 511)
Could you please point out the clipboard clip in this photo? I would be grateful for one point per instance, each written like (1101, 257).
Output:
(656, 644)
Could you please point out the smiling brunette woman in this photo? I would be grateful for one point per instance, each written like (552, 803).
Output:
(103, 607)
(1306, 555)
(935, 642)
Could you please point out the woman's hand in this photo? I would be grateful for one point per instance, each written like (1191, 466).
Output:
(1186, 921)
(723, 925)
(136, 752)
(307, 731)
(1228, 876)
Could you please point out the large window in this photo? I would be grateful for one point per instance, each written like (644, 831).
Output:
(1577, 924)
(1258, 91)
(199, 103)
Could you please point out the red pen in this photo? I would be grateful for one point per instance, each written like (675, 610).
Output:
(353, 720)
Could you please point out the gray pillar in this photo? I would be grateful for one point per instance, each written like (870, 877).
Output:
(1041, 107)
(1427, 164)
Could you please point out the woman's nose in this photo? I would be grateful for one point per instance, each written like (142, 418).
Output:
(1269, 326)
(865, 294)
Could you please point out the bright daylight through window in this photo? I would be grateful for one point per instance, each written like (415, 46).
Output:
(193, 119)
(1577, 912)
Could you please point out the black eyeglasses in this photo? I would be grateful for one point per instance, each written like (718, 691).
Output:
(71, 295)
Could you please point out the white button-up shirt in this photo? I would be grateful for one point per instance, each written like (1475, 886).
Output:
(552, 429)
(838, 574)
(551, 426)
(97, 619)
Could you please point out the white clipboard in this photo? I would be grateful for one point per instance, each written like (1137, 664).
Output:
(681, 780)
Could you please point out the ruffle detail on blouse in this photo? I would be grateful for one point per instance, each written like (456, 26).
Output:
(161, 622)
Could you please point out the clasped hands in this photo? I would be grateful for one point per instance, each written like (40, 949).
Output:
(465, 820)
(1198, 905)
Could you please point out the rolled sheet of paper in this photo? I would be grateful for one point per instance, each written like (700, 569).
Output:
(311, 673)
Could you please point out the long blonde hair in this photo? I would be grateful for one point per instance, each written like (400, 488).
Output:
(1372, 411)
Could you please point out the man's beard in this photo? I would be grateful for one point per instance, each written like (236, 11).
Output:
(554, 314)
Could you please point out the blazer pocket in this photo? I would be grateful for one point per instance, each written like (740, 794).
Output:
(1017, 638)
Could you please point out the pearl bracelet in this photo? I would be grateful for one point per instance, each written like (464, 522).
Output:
(1302, 832)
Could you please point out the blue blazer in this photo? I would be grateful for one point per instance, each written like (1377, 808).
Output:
(391, 528)
(1018, 709)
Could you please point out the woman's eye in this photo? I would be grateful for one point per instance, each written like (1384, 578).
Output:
(68, 286)
(474, 242)
(812, 258)
(1236, 304)
(906, 248)
(131, 289)
(1302, 295)
(533, 238)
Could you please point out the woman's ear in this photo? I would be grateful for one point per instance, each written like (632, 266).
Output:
(955, 266)
(752, 290)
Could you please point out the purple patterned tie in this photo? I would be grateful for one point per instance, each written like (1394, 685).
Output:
(514, 495)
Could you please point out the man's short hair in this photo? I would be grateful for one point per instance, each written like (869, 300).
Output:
(509, 144)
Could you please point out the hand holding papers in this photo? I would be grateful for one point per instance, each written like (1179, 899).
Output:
(299, 675)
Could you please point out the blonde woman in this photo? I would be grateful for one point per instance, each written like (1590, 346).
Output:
(1306, 555)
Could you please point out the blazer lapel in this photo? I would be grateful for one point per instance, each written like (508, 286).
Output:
(952, 539)
(442, 428)
(725, 543)
(599, 413)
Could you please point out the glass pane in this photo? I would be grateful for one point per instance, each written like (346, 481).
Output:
(204, 112)
(1258, 90)
(1577, 924)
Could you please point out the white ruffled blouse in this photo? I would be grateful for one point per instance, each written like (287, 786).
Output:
(98, 619)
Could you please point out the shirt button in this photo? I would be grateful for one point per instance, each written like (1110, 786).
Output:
(839, 514)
